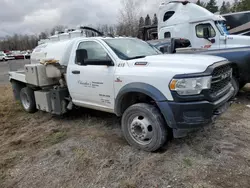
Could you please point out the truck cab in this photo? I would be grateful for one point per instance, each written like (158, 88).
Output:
(201, 27)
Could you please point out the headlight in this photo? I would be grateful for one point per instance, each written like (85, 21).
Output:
(190, 86)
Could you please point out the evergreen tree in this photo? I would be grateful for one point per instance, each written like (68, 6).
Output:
(228, 6)
(141, 22)
(201, 3)
(225, 8)
(147, 20)
(212, 6)
(244, 5)
(235, 6)
(155, 20)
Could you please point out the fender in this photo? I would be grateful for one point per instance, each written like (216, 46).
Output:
(150, 91)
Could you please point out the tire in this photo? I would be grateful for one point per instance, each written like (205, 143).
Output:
(242, 84)
(28, 100)
(236, 86)
(144, 127)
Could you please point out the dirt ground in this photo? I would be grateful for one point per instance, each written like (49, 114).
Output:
(86, 149)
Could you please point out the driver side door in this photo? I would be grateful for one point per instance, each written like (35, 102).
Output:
(93, 84)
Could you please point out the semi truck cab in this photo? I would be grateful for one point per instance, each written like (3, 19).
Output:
(182, 19)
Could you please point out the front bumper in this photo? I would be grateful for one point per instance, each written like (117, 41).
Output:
(190, 115)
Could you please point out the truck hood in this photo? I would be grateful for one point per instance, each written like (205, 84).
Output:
(182, 63)
(237, 41)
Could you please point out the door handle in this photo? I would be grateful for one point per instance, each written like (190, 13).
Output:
(76, 72)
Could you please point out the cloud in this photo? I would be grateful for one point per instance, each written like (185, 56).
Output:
(34, 16)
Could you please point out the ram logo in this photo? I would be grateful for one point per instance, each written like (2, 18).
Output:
(226, 75)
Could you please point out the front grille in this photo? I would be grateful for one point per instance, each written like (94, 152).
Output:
(221, 70)
(221, 77)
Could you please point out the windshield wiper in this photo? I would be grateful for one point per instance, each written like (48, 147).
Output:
(136, 57)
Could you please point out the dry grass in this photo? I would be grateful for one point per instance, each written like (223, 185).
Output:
(8, 107)
(86, 149)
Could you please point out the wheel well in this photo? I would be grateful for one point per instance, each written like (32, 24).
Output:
(16, 88)
(236, 72)
(132, 98)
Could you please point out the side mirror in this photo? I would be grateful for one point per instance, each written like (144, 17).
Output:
(206, 34)
(212, 41)
(81, 56)
(164, 49)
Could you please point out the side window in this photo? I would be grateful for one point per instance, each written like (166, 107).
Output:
(167, 35)
(94, 51)
(168, 15)
(199, 30)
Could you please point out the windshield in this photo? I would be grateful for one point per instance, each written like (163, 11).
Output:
(130, 48)
(221, 25)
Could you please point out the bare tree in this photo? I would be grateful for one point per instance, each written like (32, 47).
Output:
(43, 35)
(128, 20)
(59, 28)
(19, 42)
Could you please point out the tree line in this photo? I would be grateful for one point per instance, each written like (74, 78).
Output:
(129, 22)
(226, 7)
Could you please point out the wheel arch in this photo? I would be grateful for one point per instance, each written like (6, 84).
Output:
(126, 93)
(16, 88)
(236, 70)
(137, 87)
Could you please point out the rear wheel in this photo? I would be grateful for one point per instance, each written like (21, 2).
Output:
(28, 99)
(144, 127)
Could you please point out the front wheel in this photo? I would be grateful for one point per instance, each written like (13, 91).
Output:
(144, 127)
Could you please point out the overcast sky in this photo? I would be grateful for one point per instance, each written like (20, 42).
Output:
(34, 16)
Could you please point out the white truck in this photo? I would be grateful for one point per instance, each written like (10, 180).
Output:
(182, 19)
(152, 92)
(190, 29)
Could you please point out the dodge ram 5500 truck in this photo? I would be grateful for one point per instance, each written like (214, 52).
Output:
(152, 92)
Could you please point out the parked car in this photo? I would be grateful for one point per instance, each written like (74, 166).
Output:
(22, 55)
(5, 57)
